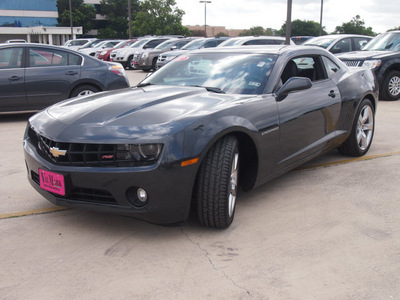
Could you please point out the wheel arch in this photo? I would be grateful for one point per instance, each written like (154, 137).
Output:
(82, 83)
(249, 158)
(389, 66)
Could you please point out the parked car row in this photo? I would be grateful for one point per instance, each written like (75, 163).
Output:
(34, 76)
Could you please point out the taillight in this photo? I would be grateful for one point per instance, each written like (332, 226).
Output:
(117, 69)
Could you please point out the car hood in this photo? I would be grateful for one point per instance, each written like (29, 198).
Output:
(362, 55)
(149, 113)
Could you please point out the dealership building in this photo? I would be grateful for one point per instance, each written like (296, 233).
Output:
(35, 21)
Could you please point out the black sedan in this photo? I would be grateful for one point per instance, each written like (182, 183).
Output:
(194, 131)
(34, 76)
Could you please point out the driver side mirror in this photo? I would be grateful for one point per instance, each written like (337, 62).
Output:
(291, 85)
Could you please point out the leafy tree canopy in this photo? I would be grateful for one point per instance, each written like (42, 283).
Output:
(82, 14)
(159, 17)
(117, 17)
(299, 27)
(355, 26)
(257, 30)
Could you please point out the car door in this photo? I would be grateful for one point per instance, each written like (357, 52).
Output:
(49, 75)
(307, 118)
(12, 86)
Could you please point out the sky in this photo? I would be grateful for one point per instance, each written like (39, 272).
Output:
(243, 14)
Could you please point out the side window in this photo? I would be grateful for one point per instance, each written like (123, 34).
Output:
(10, 58)
(210, 44)
(359, 43)
(304, 66)
(74, 60)
(180, 44)
(344, 45)
(40, 57)
(331, 67)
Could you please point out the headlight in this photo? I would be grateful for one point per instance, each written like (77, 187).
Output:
(103, 52)
(139, 152)
(372, 64)
(168, 58)
(145, 55)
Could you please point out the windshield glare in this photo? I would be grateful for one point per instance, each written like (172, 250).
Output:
(165, 45)
(231, 73)
(139, 43)
(320, 42)
(384, 42)
(196, 44)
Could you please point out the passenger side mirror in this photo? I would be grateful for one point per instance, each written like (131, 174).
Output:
(293, 84)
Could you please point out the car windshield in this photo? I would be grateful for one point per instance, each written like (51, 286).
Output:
(165, 45)
(193, 45)
(217, 72)
(389, 41)
(139, 43)
(230, 42)
(323, 42)
(119, 45)
(91, 44)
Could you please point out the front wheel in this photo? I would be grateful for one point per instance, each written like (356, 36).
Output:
(362, 132)
(391, 86)
(131, 63)
(217, 184)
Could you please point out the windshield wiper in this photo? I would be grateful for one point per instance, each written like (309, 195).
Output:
(211, 89)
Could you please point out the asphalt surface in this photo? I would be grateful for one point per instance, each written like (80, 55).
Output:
(330, 230)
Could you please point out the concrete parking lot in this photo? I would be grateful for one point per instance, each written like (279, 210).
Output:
(329, 230)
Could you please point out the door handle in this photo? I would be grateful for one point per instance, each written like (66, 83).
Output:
(332, 94)
(71, 73)
(15, 78)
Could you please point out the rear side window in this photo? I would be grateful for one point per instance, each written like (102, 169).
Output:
(40, 57)
(331, 67)
(10, 58)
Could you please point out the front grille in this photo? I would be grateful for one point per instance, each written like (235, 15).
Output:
(353, 63)
(83, 194)
(82, 154)
(161, 58)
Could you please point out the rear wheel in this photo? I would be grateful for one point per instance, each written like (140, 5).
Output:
(84, 90)
(391, 86)
(360, 139)
(217, 184)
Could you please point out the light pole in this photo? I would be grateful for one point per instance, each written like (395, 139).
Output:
(288, 22)
(70, 20)
(205, 16)
(320, 19)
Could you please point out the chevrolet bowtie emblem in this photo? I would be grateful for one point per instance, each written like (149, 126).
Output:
(57, 152)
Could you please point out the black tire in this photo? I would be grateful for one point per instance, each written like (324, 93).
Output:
(217, 184)
(391, 86)
(362, 132)
(84, 90)
(153, 65)
(130, 63)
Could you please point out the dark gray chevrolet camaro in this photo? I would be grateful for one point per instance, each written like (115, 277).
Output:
(194, 131)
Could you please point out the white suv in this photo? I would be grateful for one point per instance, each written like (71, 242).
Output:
(125, 56)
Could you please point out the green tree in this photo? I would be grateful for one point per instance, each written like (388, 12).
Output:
(257, 30)
(116, 12)
(396, 28)
(221, 34)
(299, 27)
(82, 14)
(355, 26)
(159, 17)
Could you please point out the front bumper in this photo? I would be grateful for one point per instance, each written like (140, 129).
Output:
(111, 189)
